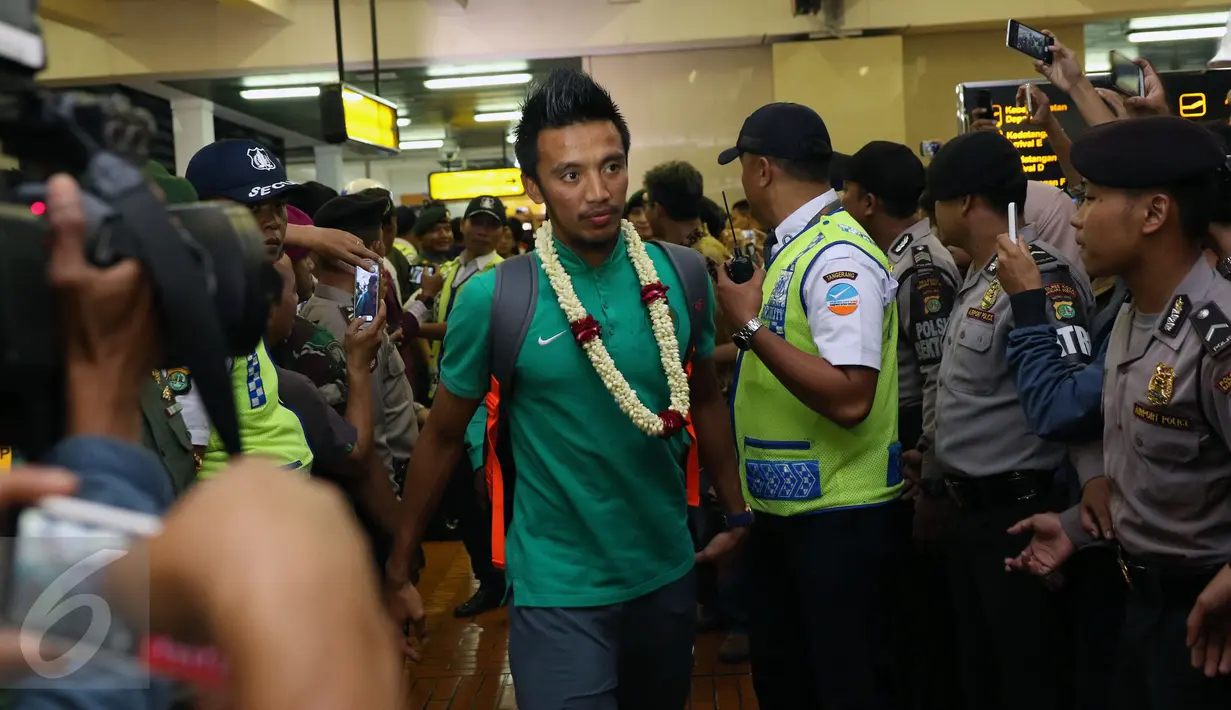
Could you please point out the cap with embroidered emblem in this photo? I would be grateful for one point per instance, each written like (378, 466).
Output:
(1147, 152)
(488, 205)
(240, 170)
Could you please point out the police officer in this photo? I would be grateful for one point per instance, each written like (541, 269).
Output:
(815, 405)
(996, 468)
(883, 185)
(332, 307)
(1152, 186)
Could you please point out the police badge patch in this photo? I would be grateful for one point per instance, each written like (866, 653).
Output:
(178, 380)
(1162, 385)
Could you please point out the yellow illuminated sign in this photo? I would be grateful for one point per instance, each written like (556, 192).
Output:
(6, 459)
(368, 120)
(469, 184)
(1192, 105)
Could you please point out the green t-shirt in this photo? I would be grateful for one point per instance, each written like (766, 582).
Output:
(599, 508)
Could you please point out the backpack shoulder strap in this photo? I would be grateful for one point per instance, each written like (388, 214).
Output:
(689, 265)
(513, 300)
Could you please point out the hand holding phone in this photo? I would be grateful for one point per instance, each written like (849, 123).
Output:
(367, 291)
(1126, 76)
(1013, 222)
(1029, 41)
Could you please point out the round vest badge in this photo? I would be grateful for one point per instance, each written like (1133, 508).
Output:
(1064, 310)
(932, 305)
(842, 299)
(178, 380)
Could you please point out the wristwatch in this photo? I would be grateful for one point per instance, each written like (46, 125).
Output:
(739, 520)
(1224, 267)
(743, 337)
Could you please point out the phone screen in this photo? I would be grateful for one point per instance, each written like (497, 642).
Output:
(367, 292)
(1126, 77)
(1029, 41)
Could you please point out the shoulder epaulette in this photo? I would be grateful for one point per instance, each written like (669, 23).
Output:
(1211, 324)
(1041, 256)
(899, 247)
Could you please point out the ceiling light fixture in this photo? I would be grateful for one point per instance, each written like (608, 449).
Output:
(271, 80)
(472, 69)
(1177, 35)
(511, 139)
(403, 122)
(1158, 23)
(421, 145)
(289, 92)
(498, 116)
(471, 82)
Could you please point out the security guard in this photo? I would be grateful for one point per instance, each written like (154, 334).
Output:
(1152, 186)
(883, 185)
(815, 405)
(997, 469)
(332, 307)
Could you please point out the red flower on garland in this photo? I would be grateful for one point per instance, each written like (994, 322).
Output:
(673, 422)
(653, 292)
(586, 329)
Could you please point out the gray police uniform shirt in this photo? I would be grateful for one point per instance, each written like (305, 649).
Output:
(1167, 423)
(928, 279)
(396, 427)
(981, 429)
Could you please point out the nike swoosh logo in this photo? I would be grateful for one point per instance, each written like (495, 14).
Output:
(548, 340)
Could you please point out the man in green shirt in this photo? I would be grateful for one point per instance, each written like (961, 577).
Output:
(597, 550)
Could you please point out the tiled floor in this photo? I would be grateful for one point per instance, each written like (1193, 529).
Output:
(466, 667)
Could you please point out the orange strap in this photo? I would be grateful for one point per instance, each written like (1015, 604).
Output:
(495, 479)
(692, 469)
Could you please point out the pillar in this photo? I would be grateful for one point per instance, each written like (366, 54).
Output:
(329, 165)
(193, 125)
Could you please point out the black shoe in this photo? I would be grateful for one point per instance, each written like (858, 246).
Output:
(487, 598)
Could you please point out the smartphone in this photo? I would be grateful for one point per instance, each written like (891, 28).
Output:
(1029, 100)
(1028, 41)
(1013, 222)
(929, 149)
(367, 292)
(1126, 77)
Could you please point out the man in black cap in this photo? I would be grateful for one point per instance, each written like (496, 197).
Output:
(435, 235)
(996, 467)
(815, 405)
(332, 306)
(883, 184)
(1153, 185)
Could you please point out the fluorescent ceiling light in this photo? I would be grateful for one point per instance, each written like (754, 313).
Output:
(258, 82)
(403, 122)
(497, 117)
(472, 69)
(421, 145)
(1177, 35)
(1158, 23)
(470, 82)
(289, 92)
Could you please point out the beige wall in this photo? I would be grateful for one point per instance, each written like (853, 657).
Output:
(933, 64)
(855, 84)
(687, 105)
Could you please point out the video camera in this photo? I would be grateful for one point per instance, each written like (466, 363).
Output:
(212, 285)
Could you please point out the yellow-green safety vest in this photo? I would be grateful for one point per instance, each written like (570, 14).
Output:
(793, 460)
(265, 426)
(444, 303)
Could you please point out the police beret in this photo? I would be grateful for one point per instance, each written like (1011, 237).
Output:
(888, 170)
(350, 212)
(430, 217)
(1147, 152)
(973, 163)
(175, 190)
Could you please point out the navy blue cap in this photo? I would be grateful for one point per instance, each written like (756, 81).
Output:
(782, 130)
(240, 170)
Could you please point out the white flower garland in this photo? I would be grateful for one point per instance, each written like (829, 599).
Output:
(660, 318)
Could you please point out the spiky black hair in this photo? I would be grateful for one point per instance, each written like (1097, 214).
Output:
(566, 97)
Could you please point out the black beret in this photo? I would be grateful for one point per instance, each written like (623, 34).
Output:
(888, 170)
(973, 163)
(406, 219)
(351, 212)
(430, 217)
(1147, 152)
(380, 194)
(310, 197)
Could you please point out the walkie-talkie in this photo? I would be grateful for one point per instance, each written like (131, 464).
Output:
(740, 268)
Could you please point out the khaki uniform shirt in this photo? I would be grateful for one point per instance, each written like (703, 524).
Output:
(1167, 421)
(396, 428)
(981, 429)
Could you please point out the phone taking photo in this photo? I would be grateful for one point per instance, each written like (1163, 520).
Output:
(367, 292)
(1126, 77)
(1028, 41)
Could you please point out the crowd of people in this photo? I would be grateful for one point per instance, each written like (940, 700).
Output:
(961, 440)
